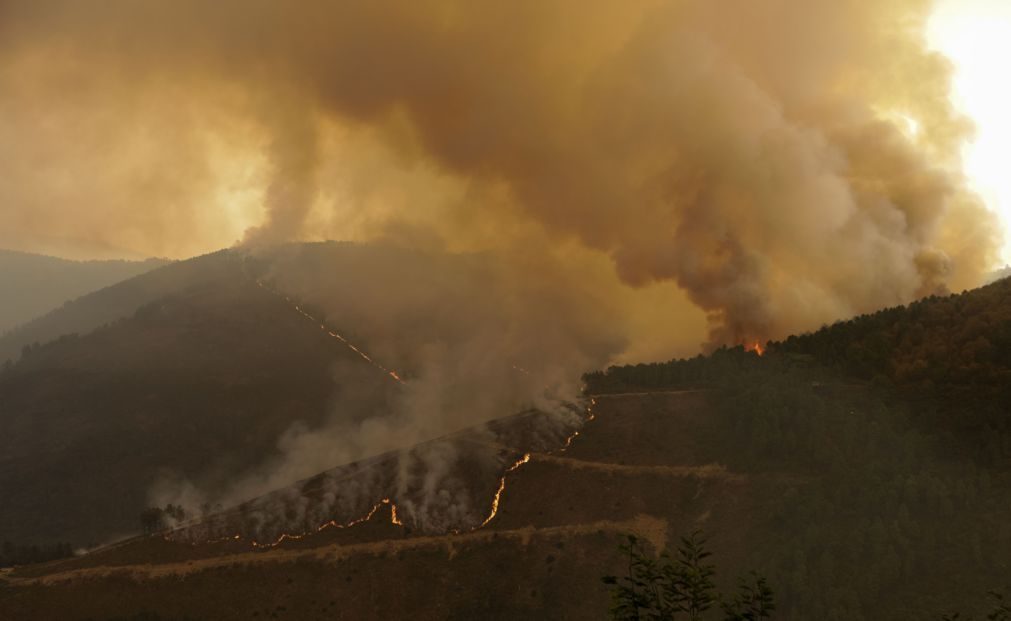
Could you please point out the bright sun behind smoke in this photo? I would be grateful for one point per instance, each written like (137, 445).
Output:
(976, 36)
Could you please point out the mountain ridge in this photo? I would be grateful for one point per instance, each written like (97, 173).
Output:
(33, 284)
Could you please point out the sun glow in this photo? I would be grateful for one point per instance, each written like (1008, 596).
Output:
(976, 36)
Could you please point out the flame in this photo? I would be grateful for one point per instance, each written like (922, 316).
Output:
(332, 334)
(568, 441)
(525, 459)
(756, 347)
(394, 519)
(334, 524)
(501, 488)
(394, 516)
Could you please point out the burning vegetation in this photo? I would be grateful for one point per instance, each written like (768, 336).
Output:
(331, 333)
(354, 479)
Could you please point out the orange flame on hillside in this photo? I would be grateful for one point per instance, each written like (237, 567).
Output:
(334, 524)
(501, 488)
(332, 334)
(756, 347)
(394, 514)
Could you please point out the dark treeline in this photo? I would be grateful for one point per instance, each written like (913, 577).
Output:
(948, 357)
(14, 554)
(879, 453)
(699, 372)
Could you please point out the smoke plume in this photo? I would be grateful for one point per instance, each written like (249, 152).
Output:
(756, 154)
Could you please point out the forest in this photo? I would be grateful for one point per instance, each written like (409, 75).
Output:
(892, 432)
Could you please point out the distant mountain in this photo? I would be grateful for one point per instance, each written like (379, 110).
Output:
(106, 305)
(32, 284)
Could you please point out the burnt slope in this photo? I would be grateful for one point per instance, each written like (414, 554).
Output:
(199, 383)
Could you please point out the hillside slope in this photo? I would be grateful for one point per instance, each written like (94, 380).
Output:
(199, 385)
(853, 529)
(119, 300)
(560, 518)
(859, 495)
(31, 285)
(949, 355)
(204, 381)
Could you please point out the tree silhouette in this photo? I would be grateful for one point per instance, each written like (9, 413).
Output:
(666, 589)
(152, 520)
(753, 601)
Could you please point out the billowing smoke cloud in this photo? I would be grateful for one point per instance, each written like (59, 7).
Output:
(757, 154)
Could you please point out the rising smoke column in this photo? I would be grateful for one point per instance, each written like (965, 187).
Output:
(755, 153)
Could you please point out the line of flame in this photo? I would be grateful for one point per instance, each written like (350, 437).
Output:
(394, 518)
(568, 441)
(335, 524)
(501, 488)
(526, 459)
(336, 335)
